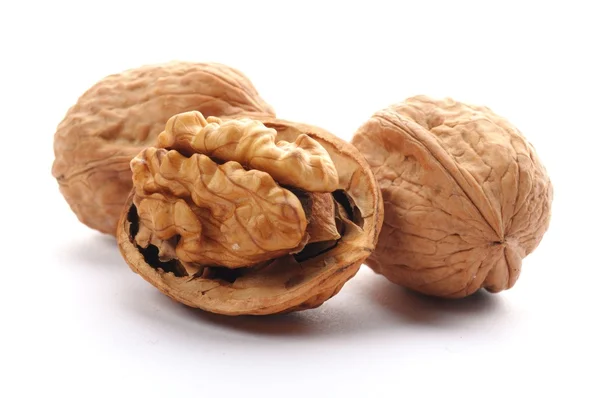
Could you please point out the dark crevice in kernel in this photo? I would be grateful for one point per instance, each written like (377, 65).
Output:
(228, 275)
(303, 197)
(151, 257)
(341, 197)
(315, 249)
(134, 219)
(347, 203)
(151, 252)
(222, 162)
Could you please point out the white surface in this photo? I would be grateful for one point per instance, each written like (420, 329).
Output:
(77, 322)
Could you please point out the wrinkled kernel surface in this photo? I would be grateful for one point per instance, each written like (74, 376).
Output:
(224, 214)
(303, 163)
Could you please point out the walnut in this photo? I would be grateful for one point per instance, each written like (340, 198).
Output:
(249, 216)
(466, 196)
(123, 113)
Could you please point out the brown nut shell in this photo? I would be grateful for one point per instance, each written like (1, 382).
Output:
(466, 196)
(345, 223)
(123, 113)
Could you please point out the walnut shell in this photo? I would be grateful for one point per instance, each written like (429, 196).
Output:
(210, 223)
(466, 196)
(123, 113)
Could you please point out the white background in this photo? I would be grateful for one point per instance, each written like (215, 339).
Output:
(75, 321)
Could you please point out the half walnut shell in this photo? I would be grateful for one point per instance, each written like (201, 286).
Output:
(249, 217)
(123, 113)
(466, 196)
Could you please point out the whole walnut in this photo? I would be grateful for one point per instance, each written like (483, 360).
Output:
(123, 113)
(249, 216)
(466, 196)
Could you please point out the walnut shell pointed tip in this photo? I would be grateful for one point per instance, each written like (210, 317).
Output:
(466, 196)
(249, 216)
(123, 113)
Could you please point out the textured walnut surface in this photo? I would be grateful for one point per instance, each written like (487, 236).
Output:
(466, 197)
(123, 113)
(249, 217)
